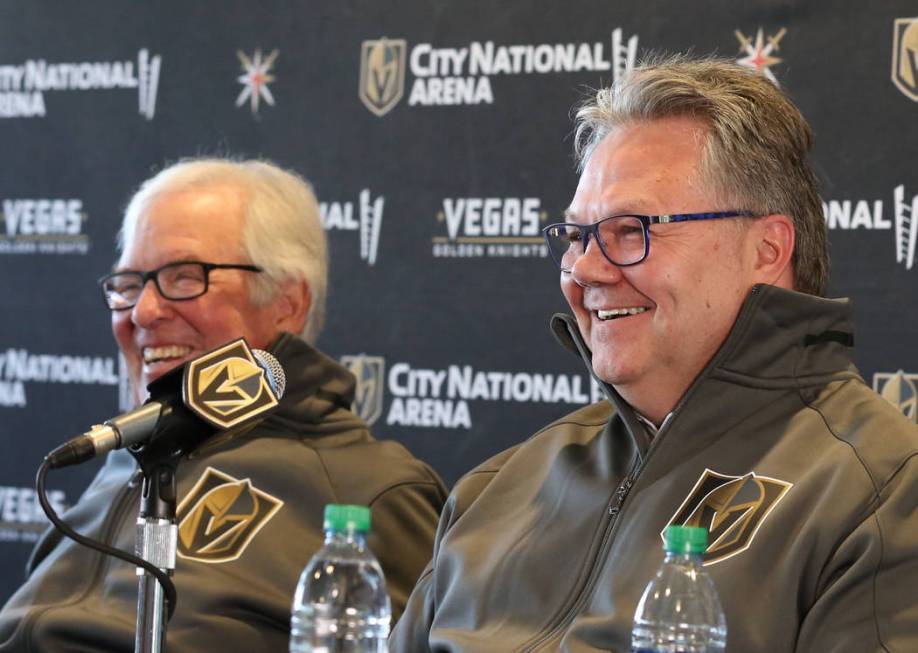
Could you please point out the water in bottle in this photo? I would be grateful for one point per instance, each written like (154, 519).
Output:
(341, 604)
(680, 611)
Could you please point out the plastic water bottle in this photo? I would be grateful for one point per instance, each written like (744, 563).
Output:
(680, 611)
(341, 604)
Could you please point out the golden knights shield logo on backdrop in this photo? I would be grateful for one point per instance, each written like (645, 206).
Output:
(220, 516)
(732, 508)
(382, 74)
(370, 372)
(900, 390)
(905, 57)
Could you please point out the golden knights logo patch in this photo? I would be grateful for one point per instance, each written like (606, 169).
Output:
(382, 74)
(220, 516)
(905, 57)
(732, 508)
(370, 371)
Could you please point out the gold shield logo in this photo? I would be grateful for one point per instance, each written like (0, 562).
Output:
(220, 516)
(368, 397)
(731, 508)
(905, 56)
(227, 386)
(382, 74)
(900, 390)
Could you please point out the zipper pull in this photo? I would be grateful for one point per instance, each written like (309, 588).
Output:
(620, 495)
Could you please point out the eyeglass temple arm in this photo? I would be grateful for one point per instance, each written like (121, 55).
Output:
(685, 217)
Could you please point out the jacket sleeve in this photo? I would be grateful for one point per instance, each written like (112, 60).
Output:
(412, 632)
(402, 535)
(867, 599)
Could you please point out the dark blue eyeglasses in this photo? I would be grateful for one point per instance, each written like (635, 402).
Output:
(622, 239)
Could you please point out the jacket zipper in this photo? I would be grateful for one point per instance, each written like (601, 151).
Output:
(109, 531)
(611, 514)
(620, 496)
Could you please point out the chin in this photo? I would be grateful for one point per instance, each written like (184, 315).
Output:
(609, 372)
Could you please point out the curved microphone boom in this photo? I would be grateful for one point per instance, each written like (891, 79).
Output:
(170, 408)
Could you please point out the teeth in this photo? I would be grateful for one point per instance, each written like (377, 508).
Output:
(152, 354)
(619, 312)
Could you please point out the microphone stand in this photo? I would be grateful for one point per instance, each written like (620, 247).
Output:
(159, 457)
(157, 533)
(157, 540)
(177, 431)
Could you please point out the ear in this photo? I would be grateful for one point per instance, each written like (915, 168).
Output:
(292, 306)
(774, 238)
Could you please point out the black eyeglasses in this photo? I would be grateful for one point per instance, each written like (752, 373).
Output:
(176, 281)
(622, 239)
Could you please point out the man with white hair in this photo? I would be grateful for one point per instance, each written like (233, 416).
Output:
(213, 250)
(693, 257)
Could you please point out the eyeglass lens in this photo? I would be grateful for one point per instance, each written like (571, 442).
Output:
(621, 238)
(177, 281)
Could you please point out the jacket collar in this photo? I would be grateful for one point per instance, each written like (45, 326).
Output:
(316, 400)
(781, 339)
(317, 386)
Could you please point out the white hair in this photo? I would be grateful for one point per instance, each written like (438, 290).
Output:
(283, 232)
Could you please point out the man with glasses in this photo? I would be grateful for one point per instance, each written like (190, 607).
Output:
(213, 250)
(693, 257)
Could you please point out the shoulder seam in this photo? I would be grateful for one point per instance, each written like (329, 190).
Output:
(401, 484)
(854, 451)
(564, 422)
(328, 477)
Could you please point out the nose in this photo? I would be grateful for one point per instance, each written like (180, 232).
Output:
(593, 268)
(150, 307)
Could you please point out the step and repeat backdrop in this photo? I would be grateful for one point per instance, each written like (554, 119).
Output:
(437, 135)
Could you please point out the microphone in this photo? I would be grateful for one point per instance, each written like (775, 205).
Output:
(223, 388)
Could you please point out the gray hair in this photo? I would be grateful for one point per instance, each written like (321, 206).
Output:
(283, 232)
(755, 151)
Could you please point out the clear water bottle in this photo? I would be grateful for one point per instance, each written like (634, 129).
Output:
(341, 604)
(680, 611)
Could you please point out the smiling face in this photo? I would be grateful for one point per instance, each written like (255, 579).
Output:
(653, 326)
(158, 334)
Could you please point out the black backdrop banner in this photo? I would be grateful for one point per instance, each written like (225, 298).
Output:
(438, 138)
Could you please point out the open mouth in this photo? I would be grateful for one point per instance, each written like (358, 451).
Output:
(169, 352)
(615, 313)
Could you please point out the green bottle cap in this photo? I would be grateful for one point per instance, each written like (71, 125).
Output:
(346, 518)
(686, 539)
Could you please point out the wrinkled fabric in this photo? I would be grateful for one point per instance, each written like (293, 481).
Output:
(549, 545)
(309, 452)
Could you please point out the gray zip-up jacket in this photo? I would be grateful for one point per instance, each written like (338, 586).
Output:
(250, 517)
(807, 479)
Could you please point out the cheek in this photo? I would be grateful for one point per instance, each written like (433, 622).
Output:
(206, 318)
(122, 329)
(217, 328)
(572, 292)
(224, 324)
(574, 296)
